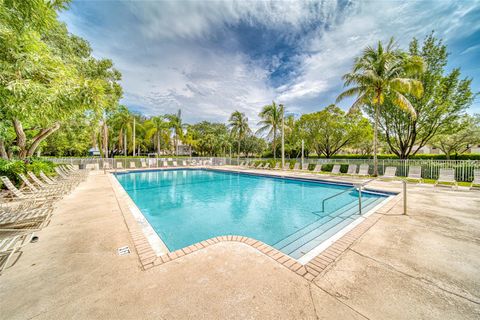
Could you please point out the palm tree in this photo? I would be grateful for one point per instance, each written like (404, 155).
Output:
(157, 129)
(271, 122)
(383, 73)
(122, 123)
(175, 121)
(239, 126)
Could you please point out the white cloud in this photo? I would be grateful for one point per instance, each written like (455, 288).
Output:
(171, 56)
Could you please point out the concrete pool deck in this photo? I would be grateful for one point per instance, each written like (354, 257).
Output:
(423, 265)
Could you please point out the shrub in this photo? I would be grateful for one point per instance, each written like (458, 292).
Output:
(12, 168)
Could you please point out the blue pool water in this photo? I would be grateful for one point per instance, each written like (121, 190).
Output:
(186, 206)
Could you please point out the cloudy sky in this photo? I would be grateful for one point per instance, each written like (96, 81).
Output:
(210, 58)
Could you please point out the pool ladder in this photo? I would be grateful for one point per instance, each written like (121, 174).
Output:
(359, 187)
(355, 187)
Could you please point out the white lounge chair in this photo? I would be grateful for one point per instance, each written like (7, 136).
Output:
(260, 166)
(318, 168)
(267, 166)
(296, 166)
(144, 164)
(23, 195)
(10, 245)
(119, 165)
(133, 165)
(363, 170)
(164, 163)
(352, 169)
(277, 166)
(184, 163)
(446, 176)
(476, 178)
(30, 216)
(174, 164)
(336, 169)
(415, 173)
(389, 173)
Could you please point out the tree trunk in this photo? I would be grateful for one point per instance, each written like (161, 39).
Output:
(3, 152)
(238, 155)
(21, 138)
(44, 133)
(125, 147)
(274, 143)
(105, 139)
(375, 143)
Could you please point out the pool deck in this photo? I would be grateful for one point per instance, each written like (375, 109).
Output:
(420, 266)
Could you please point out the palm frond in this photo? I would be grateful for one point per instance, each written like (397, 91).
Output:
(401, 101)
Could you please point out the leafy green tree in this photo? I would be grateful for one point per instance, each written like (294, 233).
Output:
(461, 135)
(253, 145)
(238, 124)
(48, 75)
(380, 74)
(271, 122)
(330, 130)
(445, 98)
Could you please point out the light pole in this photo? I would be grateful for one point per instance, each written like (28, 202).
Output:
(133, 137)
(283, 136)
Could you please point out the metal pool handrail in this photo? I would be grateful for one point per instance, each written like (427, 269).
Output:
(358, 186)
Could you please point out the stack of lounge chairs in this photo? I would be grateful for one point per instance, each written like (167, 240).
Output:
(27, 210)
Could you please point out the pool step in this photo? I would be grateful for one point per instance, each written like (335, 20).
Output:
(304, 240)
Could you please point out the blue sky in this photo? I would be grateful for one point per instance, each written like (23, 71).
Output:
(210, 58)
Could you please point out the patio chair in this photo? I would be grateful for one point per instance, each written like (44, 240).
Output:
(174, 164)
(54, 190)
(144, 164)
(119, 165)
(10, 245)
(18, 218)
(446, 176)
(184, 163)
(415, 173)
(164, 164)
(318, 168)
(22, 195)
(389, 173)
(352, 169)
(133, 165)
(277, 166)
(363, 170)
(476, 178)
(260, 166)
(296, 166)
(336, 169)
(107, 166)
(267, 166)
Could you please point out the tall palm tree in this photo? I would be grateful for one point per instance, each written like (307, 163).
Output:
(122, 123)
(157, 129)
(177, 126)
(383, 73)
(271, 123)
(238, 123)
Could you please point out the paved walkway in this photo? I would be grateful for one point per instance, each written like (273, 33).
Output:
(421, 266)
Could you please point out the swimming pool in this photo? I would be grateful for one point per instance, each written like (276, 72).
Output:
(186, 206)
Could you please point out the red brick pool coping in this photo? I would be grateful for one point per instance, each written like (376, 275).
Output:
(149, 259)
